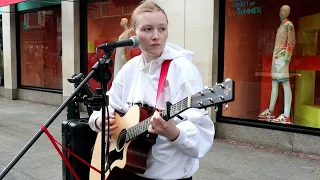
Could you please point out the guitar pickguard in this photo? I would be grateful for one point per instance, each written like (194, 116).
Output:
(115, 155)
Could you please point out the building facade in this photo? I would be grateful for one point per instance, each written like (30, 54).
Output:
(271, 50)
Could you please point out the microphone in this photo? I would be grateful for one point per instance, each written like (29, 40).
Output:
(133, 41)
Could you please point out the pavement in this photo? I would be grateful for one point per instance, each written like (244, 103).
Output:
(227, 160)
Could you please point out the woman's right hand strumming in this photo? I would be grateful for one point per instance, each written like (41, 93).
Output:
(112, 126)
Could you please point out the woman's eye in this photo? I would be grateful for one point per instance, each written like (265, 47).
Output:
(162, 29)
(147, 29)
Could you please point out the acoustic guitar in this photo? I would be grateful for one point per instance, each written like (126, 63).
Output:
(131, 142)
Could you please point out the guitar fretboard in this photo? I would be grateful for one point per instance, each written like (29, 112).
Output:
(143, 126)
(218, 94)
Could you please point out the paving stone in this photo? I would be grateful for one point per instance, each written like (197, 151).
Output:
(314, 163)
(245, 175)
(317, 172)
(303, 169)
(14, 174)
(265, 177)
(304, 176)
(276, 172)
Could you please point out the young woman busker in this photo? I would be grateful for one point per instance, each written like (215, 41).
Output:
(183, 140)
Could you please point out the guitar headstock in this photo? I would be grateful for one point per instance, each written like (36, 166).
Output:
(220, 93)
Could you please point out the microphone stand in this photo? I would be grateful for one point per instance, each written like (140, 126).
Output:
(105, 75)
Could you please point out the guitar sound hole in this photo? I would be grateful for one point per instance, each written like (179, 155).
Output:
(121, 140)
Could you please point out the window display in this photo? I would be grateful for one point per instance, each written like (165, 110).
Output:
(109, 22)
(276, 45)
(284, 45)
(40, 44)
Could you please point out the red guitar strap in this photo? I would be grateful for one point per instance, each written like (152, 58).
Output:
(163, 76)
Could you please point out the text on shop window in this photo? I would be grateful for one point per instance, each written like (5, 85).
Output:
(246, 7)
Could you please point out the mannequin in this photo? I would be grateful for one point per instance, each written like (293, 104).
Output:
(120, 56)
(283, 48)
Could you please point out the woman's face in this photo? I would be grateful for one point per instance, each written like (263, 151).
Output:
(152, 31)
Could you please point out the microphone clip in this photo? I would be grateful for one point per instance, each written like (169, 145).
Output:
(102, 72)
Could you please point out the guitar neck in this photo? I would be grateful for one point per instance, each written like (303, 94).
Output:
(171, 111)
(210, 96)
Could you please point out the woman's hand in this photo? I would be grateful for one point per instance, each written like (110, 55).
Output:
(164, 128)
(112, 127)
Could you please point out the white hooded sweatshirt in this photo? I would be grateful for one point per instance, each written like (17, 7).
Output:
(137, 82)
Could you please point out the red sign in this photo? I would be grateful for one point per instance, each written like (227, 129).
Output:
(7, 2)
(119, 3)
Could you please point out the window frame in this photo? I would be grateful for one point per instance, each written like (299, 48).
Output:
(18, 45)
(1, 85)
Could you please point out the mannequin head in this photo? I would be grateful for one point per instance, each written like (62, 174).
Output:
(284, 12)
(124, 22)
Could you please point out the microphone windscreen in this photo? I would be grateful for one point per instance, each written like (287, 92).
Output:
(136, 41)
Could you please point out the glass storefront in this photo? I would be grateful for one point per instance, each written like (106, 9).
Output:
(272, 51)
(40, 47)
(107, 22)
(1, 54)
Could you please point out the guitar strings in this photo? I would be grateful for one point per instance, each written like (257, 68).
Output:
(133, 132)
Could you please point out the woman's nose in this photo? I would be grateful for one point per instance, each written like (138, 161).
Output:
(155, 35)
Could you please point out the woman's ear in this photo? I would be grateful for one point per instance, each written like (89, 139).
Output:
(132, 32)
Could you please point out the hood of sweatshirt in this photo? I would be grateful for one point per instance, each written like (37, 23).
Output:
(170, 51)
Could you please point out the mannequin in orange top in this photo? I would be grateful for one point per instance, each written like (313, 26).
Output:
(120, 56)
(123, 54)
(283, 49)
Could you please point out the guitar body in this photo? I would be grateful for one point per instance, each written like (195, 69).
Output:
(131, 155)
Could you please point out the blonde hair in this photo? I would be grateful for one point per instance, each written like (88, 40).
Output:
(144, 6)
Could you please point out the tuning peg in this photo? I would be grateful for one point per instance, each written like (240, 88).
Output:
(216, 109)
(201, 93)
(227, 106)
(221, 97)
(200, 103)
(211, 100)
(211, 89)
(221, 86)
(228, 79)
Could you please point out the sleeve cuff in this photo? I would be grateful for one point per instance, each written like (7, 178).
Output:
(92, 121)
(182, 136)
(111, 110)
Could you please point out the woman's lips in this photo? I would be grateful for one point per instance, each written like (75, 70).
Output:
(155, 45)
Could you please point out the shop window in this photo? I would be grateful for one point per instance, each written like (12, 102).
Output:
(272, 52)
(1, 55)
(40, 45)
(107, 22)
